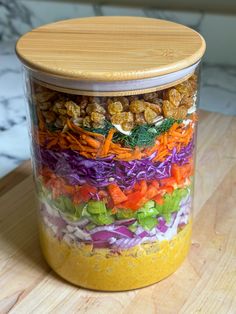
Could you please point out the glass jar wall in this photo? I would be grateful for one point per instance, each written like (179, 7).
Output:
(114, 177)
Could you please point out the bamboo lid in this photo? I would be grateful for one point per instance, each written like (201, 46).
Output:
(110, 48)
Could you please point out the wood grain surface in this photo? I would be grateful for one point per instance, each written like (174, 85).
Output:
(110, 48)
(206, 282)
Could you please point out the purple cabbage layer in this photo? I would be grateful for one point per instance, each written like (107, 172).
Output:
(100, 172)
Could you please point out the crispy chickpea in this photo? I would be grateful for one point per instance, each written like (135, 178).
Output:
(137, 106)
(124, 101)
(193, 82)
(173, 96)
(97, 117)
(87, 122)
(182, 89)
(168, 109)
(94, 107)
(155, 107)
(73, 110)
(122, 117)
(172, 112)
(181, 112)
(187, 102)
(97, 125)
(139, 118)
(150, 115)
(115, 107)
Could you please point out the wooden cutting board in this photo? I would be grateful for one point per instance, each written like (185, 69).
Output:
(206, 282)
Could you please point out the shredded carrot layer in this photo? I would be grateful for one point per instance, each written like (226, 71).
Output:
(94, 145)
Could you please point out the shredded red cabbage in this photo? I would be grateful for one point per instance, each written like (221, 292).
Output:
(78, 170)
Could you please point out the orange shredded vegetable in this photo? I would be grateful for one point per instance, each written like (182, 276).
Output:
(93, 145)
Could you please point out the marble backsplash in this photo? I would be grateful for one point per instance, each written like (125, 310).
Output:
(20, 16)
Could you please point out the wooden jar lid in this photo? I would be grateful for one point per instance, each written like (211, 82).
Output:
(110, 48)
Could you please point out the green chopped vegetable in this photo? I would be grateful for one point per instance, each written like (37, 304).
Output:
(148, 210)
(125, 214)
(171, 203)
(133, 227)
(152, 212)
(148, 205)
(147, 215)
(102, 219)
(96, 207)
(97, 213)
(148, 223)
(65, 205)
(144, 135)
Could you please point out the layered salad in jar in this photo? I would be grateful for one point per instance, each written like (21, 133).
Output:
(114, 178)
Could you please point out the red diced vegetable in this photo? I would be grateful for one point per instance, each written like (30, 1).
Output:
(102, 194)
(168, 181)
(85, 192)
(116, 194)
(165, 189)
(159, 199)
(136, 186)
(176, 173)
(155, 183)
(180, 173)
(128, 192)
(143, 187)
(134, 201)
(151, 192)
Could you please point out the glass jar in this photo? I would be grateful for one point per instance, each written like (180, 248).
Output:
(113, 159)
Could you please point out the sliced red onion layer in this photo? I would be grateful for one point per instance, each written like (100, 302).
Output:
(116, 235)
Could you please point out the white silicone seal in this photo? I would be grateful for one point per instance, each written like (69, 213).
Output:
(113, 86)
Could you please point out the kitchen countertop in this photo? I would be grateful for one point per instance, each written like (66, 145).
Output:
(205, 283)
(218, 93)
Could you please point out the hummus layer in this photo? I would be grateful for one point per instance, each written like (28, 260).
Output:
(100, 269)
